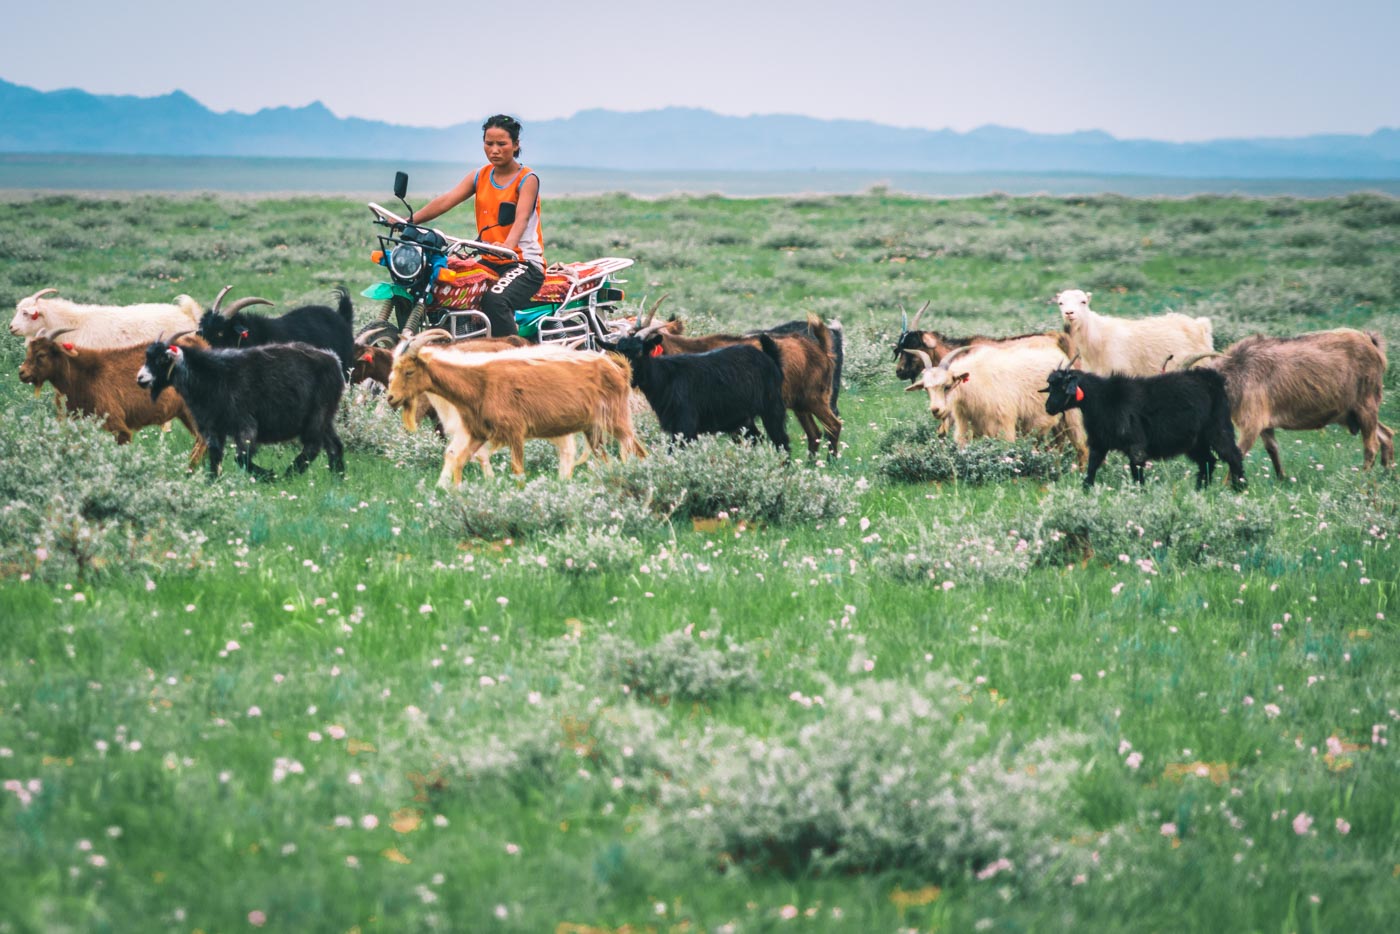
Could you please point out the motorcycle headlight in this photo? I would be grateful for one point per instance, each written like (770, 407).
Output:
(406, 261)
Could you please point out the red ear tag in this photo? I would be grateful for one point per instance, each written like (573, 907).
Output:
(67, 346)
(243, 334)
(656, 351)
(174, 351)
(1078, 393)
(368, 357)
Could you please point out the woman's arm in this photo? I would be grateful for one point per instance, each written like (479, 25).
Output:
(446, 201)
(529, 194)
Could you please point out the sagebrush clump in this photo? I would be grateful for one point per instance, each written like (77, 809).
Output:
(915, 454)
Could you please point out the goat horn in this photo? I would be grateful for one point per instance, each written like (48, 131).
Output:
(219, 298)
(55, 333)
(949, 358)
(644, 322)
(418, 341)
(903, 320)
(39, 294)
(1197, 358)
(913, 325)
(174, 337)
(242, 303)
(923, 355)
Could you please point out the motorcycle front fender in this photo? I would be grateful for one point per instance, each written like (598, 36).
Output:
(383, 291)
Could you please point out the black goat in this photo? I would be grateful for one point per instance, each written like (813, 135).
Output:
(838, 349)
(1185, 412)
(715, 392)
(259, 395)
(318, 325)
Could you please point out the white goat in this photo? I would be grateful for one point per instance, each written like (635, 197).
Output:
(995, 391)
(99, 326)
(1131, 347)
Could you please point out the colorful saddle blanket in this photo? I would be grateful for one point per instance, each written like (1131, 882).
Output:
(462, 283)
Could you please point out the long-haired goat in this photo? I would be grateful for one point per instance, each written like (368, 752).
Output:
(715, 392)
(1306, 382)
(259, 395)
(1131, 346)
(505, 397)
(98, 382)
(993, 391)
(103, 325)
(1184, 412)
(318, 325)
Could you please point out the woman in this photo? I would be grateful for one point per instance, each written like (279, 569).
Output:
(508, 215)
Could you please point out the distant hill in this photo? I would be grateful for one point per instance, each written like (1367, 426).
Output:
(675, 138)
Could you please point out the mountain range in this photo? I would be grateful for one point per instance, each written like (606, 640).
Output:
(673, 138)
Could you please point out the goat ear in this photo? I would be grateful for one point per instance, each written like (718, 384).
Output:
(68, 349)
(964, 377)
(1087, 296)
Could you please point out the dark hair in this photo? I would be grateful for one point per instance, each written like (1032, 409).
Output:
(507, 123)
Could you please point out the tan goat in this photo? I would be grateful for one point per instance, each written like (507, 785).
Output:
(1306, 382)
(506, 397)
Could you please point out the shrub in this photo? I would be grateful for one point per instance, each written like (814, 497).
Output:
(583, 551)
(953, 544)
(716, 475)
(677, 667)
(77, 504)
(915, 454)
(889, 776)
(1189, 528)
(543, 506)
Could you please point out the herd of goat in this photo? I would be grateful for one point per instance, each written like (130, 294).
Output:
(1151, 388)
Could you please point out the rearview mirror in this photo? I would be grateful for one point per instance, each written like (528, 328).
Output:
(505, 214)
(400, 184)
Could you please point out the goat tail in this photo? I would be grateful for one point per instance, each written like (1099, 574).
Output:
(345, 308)
(820, 332)
(770, 347)
(1192, 360)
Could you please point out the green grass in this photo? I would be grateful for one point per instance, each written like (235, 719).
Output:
(341, 712)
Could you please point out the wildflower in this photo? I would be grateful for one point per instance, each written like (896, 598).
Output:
(1169, 829)
(369, 822)
(789, 912)
(1302, 823)
(1272, 710)
(257, 918)
(1343, 827)
(501, 912)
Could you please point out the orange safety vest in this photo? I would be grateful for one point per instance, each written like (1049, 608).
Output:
(489, 198)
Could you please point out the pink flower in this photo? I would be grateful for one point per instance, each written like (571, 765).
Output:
(1169, 830)
(1302, 823)
(257, 918)
(1343, 827)
(1134, 760)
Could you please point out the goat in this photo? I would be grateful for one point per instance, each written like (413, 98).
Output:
(1130, 347)
(440, 412)
(1185, 412)
(503, 398)
(1003, 400)
(102, 325)
(809, 364)
(715, 392)
(833, 343)
(98, 382)
(908, 365)
(1306, 382)
(318, 325)
(259, 395)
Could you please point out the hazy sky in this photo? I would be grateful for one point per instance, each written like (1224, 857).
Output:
(1177, 70)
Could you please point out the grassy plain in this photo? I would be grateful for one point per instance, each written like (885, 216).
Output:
(321, 705)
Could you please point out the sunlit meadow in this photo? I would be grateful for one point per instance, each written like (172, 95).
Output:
(908, 689)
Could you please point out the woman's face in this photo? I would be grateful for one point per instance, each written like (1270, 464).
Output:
(500, 151)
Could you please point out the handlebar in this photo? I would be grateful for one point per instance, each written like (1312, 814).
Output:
(454, 244)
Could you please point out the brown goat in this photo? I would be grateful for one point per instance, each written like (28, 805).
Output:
(506, 397)
(808, 368)
(1303, 383)
(103, 382)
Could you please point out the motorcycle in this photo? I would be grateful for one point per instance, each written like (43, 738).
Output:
(437, 281)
